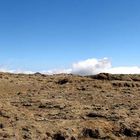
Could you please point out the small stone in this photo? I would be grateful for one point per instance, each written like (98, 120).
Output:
(1, 126)
(87, 132)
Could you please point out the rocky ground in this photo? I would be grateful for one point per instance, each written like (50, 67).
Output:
(68, 107)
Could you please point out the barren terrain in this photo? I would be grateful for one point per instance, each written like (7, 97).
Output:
(69, 107)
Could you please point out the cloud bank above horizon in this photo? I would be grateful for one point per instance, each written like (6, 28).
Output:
(90, 66)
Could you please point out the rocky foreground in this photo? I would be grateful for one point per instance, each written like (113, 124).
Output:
(68, 107)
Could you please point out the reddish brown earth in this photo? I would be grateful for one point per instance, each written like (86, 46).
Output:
(68, 107)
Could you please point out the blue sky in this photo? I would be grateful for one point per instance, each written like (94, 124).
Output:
(47, 34)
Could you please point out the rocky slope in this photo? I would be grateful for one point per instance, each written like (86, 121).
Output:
(68, 107)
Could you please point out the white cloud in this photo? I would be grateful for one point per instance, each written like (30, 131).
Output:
(57, 71)
(91, 66)
(124, 70)
(94, 66)
(86, 67)
(15, 71)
